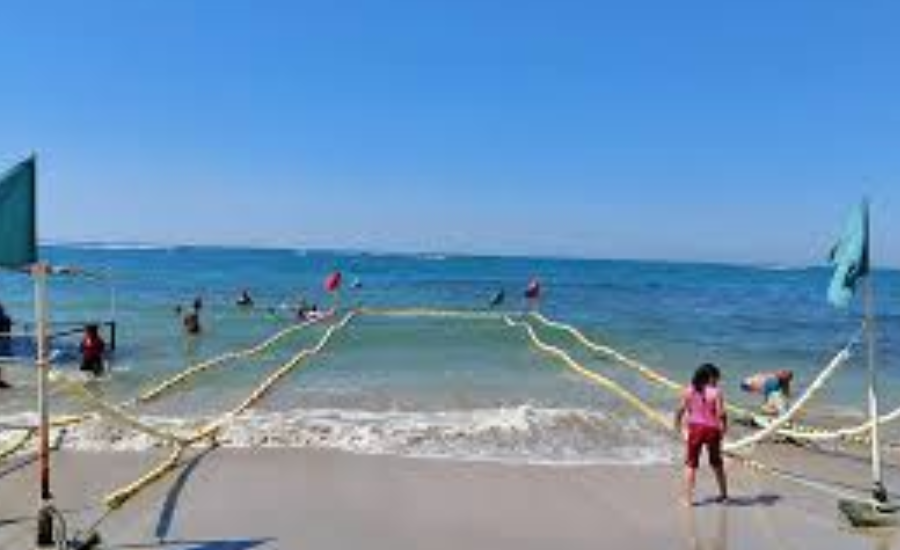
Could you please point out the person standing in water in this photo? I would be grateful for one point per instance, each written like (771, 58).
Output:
(701, 417)
(5, 332)
(245, 300)
(92, 349)
(191, 322)
(5, 342)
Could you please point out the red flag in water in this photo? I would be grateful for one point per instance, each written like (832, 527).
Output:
(333, 282)
(533, 292)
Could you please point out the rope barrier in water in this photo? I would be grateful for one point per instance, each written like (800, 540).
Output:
(663, 420)
(276, 376)
(593, 376)
(808, 433)
(158, 389)
(776, 426)
(117, 413)
(432, 312)
(17, 444)
(119, 497)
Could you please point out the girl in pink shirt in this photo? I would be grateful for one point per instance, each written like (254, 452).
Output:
(703, 406)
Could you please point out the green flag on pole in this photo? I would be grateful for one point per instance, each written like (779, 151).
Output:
(18, 216)
(850, 257)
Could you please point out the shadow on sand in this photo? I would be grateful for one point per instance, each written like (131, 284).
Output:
(232, 544)
(170, 506)
(765, 500)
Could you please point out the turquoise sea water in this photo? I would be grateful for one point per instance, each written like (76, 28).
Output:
(444, 387)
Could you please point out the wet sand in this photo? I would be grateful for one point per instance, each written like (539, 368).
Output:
(320, 500)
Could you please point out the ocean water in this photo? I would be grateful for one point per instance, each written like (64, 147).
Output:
(464, 389)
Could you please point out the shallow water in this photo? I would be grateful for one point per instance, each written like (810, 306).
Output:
(444, 387)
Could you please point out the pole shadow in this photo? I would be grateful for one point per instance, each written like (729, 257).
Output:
(170, 506)
(216, 544)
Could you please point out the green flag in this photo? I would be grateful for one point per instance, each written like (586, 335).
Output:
(18, 216)
(850, 257)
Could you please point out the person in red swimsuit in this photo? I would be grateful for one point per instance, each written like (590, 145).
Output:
(92, 350)
(703, 408)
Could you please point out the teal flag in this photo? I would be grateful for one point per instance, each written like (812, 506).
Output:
(18, 216)
(850, 257)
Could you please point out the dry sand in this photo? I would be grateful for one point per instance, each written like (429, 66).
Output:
(320, 500)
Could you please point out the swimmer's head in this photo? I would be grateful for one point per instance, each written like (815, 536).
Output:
(785, 375)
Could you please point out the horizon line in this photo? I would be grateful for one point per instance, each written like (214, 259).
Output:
(137, 245)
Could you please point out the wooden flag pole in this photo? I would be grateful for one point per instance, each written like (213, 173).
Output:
(45, 536)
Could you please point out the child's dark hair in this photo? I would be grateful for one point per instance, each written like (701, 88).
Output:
(705, 374)
(700, 379)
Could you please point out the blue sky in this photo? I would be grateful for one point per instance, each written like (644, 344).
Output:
(725, 131)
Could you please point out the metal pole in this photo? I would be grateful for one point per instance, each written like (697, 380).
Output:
(45, 515)
(878, 490)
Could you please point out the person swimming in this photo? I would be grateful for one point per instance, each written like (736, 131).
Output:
(498, 298)
(775, 387)
(245, 300)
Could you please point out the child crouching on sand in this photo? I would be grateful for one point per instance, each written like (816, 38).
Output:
(703, 406)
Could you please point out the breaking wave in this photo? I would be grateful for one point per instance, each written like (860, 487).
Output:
(523, 434)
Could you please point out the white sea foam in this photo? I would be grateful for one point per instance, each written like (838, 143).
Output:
(522, 434)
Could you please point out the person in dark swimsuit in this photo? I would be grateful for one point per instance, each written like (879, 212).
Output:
(93, 349)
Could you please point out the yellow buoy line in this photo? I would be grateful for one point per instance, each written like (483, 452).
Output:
(157, 390)
(151, 394)
(853, 434)
(420, 312)
(274, 378)
(664, 421)
(18, 442)
(182, 441)
(772, 429)
(119, 497)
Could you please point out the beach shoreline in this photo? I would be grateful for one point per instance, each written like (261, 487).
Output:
(324, 499)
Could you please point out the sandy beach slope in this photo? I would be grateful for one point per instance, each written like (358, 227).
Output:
(319, 500)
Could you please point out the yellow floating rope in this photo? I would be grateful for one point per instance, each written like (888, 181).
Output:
(663, 420)
(855, 434)
(119, 497)
(160, 388)
(273, 379)
(435, 313)
(17, 444)
(116, 414)
(778, 426)
(593, 376)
